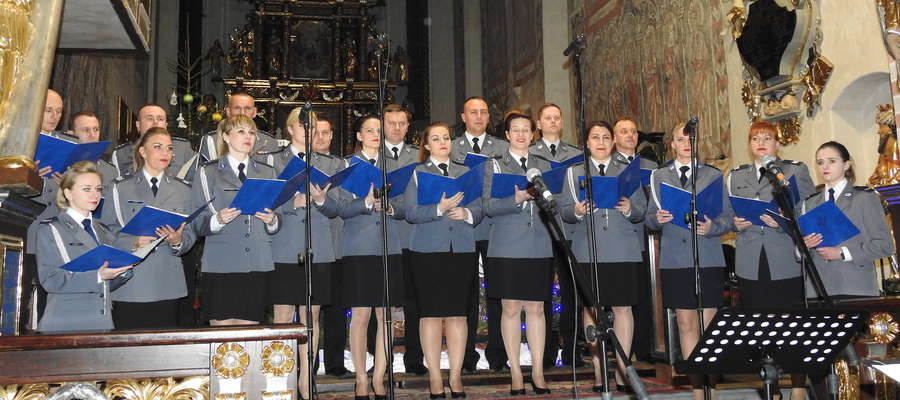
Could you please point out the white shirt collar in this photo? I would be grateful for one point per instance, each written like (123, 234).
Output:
(481, 138)
(368, 157)
(605, 164)
(627, 155)
(147, 176)
(838, 188)
(678, 166)
(436, 162)
(518, 158)
(233, 162)
(295, 151)
(77, 216)
(390, 146)
(556, 143)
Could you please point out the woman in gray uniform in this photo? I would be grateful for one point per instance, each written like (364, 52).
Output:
(846, 269)
(520, 254)
(237, 255)
(442, 246)
(150, 298)
(76, 301)
(676, 259)
(288, 289)
(618, 243)
(362, 270)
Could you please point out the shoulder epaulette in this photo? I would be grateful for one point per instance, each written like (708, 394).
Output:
(121, 145)
(323, 155)
(818, 191)
(120, 179)
(667, 164)
(540, 157)
(711, 166)
(622, 160)
(497, 156)
(864, 188)
(177, 179)
(792, 162)
(458, 163)
(49, 220)
(209, 162)
(262, 163)
(180, 139)
(740, 167)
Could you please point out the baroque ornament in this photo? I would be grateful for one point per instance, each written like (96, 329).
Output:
(277, 359)
(230, 360)
(191, 388)
(883, 327)
(24, 392)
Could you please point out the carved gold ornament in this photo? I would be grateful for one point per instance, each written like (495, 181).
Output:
(848, 380)
(788, 130)
(280, 395)
(190, 388)
(277, 359)
(15, 33)
(737, 18)
(231, 396)
(815, 79)
(230, 361)
(883, 327)
(24, 392)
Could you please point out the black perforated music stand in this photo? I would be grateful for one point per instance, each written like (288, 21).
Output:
(772, 342)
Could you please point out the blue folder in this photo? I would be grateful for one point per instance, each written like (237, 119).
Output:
(829, 221)
(751, 209)
(366, 174)
(645, 176)
(503, 185)
(256, 195)
(432, 186)
(556, 179)
(98, 212)
(795, 190)
(59, 154)
(145, 222)
(605, 189)
(566, 163)
(473, 159)
(94, 258)
(678, 201)
(297, 166)
(630, 178)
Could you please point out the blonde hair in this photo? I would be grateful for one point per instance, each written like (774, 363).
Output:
(138, 160)
(229, 124)
(669, 137)
(294, 118)
(68, 180)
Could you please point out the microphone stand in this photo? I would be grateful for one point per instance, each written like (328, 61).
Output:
(307, 260)
(691, 131)
(577, 48)
(380, 47)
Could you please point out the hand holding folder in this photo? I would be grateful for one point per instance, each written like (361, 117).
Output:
(366, 175)
(829, 221)
(149, 218)
(256, 195)
(504, 185)
(296, 166)
(474, 159)
(59, 154)
(432, 186)
(751, 209)
(677, 201)
(608, 189)
(95, 258)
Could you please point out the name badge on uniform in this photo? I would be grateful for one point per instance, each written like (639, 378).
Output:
(135, 202)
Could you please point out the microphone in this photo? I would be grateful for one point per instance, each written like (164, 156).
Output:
(578, 42)
(772, 166)
(536, 181)
(691, 127)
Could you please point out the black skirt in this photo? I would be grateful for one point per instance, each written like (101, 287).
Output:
(678, 287)
(287, 284)
(443, 283)
(528, 279)
(759, 293)
(618, 282)
(362, 281)
(240, 295)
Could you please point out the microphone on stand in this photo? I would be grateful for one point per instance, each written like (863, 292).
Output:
(772, 166)
(691, 127)
(537, 183)
(578, 42)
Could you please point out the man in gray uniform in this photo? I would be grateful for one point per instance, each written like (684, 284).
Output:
(475, 139)
(238, 104)
(150, 116)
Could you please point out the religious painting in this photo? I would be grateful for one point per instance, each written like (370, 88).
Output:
(310, 49)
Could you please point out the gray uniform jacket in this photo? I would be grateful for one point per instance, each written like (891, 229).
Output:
(361, 234)
(76, 301)
(291, 238)
(433, 233)
(408, 155)
(518, 230)
(161, 275)
(564, 151)
(857, 276)
(743, 182)
(48, 198)
(123, 157)
(491, 146)
(648, 165)
(618, 237)
(265, 143)
(675, 244)
(244, 244)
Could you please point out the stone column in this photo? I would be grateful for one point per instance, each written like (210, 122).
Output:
(557, 87)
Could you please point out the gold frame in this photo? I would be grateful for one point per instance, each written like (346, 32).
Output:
(7, 244)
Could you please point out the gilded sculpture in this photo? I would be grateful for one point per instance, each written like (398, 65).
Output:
(887, 171)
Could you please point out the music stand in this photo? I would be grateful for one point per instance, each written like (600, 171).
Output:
(772, 342)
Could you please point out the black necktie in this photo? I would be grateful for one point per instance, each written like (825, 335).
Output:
(153, 186)
(602, 168)
(630, 158)
(524, 165)
(302, 155)
(443, 168)
(86, 223)
(372, 161)
(762, 173)
(475, 147)
(553, 150)
(395, 150)
(684, 169)
(831, 195)
(241, 175)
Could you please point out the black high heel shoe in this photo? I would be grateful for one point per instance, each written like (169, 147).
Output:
(539, 390)
(626, 388)
(358, 397)
(597, 388)
(441, 395)
(375, 394)
(457, 395)
(516, 392)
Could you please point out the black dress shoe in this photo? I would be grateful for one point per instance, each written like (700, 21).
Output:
(338, 372)
(441, 395)
(358, 397)
(626, 388)
(517, 392)
(499, 368)
(457, 395)
(417, 370)
(539, 390)
(597, 388)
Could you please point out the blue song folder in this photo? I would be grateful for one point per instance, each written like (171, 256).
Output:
(366, 174)
(503, 185)
(432, 186)
(256, 195)
(678, 201)
(829, 221)
(566, 163)
(645, 176)
(473, 159)
(94, 258)
(609, 189)
(59, 154)
(145, 222)
(297, 166)
(556, 179)
(751, 209)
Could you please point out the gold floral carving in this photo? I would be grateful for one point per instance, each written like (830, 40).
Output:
(24, 392)
(280, 395)
(231, 396)
(737, 17)
(848, 380)
(191, 388)
(815, 79)
(788, 130)
(277, 359)
(883, 327)
(15, 33)
(891, 14)
(230, 360)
